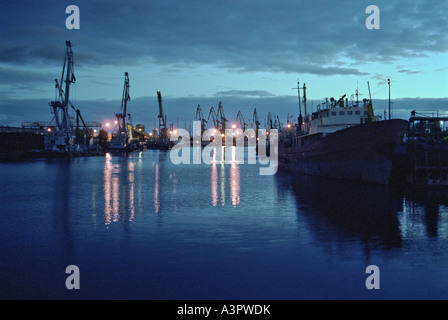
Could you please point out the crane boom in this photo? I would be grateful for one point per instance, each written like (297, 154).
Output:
(122, 117)
(255, 119)
(240, 117)
(214, 118)
(200, 117)
(162, 118)
(222, 117)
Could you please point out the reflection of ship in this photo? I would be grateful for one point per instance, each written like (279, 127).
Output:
(342, 141)
(349, 211)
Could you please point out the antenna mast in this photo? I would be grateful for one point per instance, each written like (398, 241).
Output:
(388, 82)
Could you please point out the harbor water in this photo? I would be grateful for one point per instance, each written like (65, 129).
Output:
(140, 227)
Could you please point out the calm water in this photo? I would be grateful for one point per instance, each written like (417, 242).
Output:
(140, 227)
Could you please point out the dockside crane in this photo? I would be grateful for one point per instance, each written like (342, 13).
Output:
(270, 124)
(222, 117)
(255, 120)
(60, 106)
(200, 117)
(243, 124)
(214, 118)
(122, 117)
(79, 135)
(162, 119)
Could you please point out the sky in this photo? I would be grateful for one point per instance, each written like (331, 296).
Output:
(245, 53)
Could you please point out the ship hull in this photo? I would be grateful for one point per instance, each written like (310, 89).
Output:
(362, 153)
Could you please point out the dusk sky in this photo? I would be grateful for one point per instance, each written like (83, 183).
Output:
(246, 53)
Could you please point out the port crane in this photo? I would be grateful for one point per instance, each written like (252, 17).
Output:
(243, 124)
(214, 118)
(257, 123)
(122, 117)
(270, 125)
(63, 135)
(223, 121)
(162, 119)
(79, 136)
(200, 117)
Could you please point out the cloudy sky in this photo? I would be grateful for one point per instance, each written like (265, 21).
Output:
(246, 53)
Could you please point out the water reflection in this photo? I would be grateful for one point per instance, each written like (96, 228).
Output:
(425, 213)
(379, 216)
(61, 209)
(156, 189)
(168, 184)
(219, 181)
(235, 184)
(214, 185)
(346, 211)
(118, 189)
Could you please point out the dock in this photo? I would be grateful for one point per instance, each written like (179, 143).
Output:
(427, 149)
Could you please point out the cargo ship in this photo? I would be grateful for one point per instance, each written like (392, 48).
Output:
(342, 141)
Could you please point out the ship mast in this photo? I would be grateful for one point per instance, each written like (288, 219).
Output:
(300, 118)
(304, 98)
(388, 82)
(370, 106)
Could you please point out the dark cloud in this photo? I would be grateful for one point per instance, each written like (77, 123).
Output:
(295, 37)
(282, 36)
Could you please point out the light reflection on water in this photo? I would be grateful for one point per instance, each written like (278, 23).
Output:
(214, 231)
(119, 195)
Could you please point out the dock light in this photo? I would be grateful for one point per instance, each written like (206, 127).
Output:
(150, 133)
(233, 126)
(171, 132)
(116, 121)
(49, 129)
(288, 125)
(222, 135)
(108, 124)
